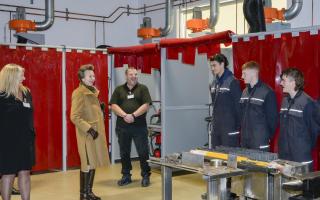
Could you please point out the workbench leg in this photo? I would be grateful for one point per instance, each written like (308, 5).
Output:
(248, 186)
(212, 189)
(166, 173)
(270, 187)
(223, 188)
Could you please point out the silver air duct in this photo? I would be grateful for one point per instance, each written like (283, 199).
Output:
(169, 21)
(49, 17)
(294, 10)
(214, 13)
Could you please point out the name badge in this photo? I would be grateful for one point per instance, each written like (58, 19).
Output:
(26, 105)
(212, 89)
(130, 96)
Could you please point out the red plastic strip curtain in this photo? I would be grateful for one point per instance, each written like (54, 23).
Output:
(74, 61)
(43, 77)
(143, 57)
(209, 44)
(277, 54)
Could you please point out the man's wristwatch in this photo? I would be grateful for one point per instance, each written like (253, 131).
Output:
(134, 117)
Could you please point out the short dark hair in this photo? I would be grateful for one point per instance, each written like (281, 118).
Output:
(296, 75)
(84, 68)
(220, 58)
(251, 65)
(129, 68)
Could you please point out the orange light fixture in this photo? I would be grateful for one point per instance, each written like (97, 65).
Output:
(197, 25)
(271, 14)
(148, 33)
(22, 26)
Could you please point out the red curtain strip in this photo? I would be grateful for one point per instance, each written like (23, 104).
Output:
(142, 57)
(148, 56)
(209, 44)
(43, 77)
(74, 61)
(277, 54)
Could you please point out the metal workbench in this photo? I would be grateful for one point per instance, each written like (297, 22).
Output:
(216, 178)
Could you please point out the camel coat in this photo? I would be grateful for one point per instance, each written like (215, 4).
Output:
(86, 113)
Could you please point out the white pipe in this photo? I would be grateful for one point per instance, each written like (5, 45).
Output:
(64, 112)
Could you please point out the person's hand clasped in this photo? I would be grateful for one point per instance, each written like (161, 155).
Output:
(128, 118)
(93, 133)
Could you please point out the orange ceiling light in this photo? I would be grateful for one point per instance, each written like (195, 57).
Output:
(271, 14)
(22, 26)
(148, 33)
(197, 25)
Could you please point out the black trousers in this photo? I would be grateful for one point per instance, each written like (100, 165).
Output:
(139, 135)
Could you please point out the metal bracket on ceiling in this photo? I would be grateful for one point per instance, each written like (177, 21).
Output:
(67, 14)
(128, 10)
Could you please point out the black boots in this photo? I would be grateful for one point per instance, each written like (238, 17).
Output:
(91, 179)
(86, 183)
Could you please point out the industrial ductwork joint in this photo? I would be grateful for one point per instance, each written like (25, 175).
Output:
(214, 13)
(169, 19)
(49, 17)
(294, 10)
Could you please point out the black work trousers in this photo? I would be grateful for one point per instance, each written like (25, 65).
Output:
(139, 135)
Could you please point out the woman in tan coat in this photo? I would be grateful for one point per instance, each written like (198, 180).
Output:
(87, 116)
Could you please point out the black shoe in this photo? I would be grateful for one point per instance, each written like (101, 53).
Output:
(125, 180)
(145, 182)
(232, 196)
(15, 191)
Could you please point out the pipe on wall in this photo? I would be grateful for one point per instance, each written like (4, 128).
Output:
(294, 9)
(49, 17)
(214, 13)
(254, 14)
(169, 19)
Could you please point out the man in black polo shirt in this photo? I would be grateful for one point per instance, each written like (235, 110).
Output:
(130, 102)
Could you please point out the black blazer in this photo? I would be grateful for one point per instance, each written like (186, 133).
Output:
(16, 128)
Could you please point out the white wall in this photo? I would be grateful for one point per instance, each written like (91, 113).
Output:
(123, 32)
(152, 81)
(158, 17)
(81, 33)
(309, 15)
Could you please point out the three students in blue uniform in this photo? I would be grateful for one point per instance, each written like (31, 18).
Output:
(250, 119)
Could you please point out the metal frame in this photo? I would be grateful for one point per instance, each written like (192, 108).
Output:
(171, 108)
(163, 98)
(216, 179)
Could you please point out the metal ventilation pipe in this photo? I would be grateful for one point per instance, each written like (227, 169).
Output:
(49, 17)
(294, 10)
(267, 3)
(254, 14)
(146, 23)
(214, 13)
(169, 19)
(196, 13)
